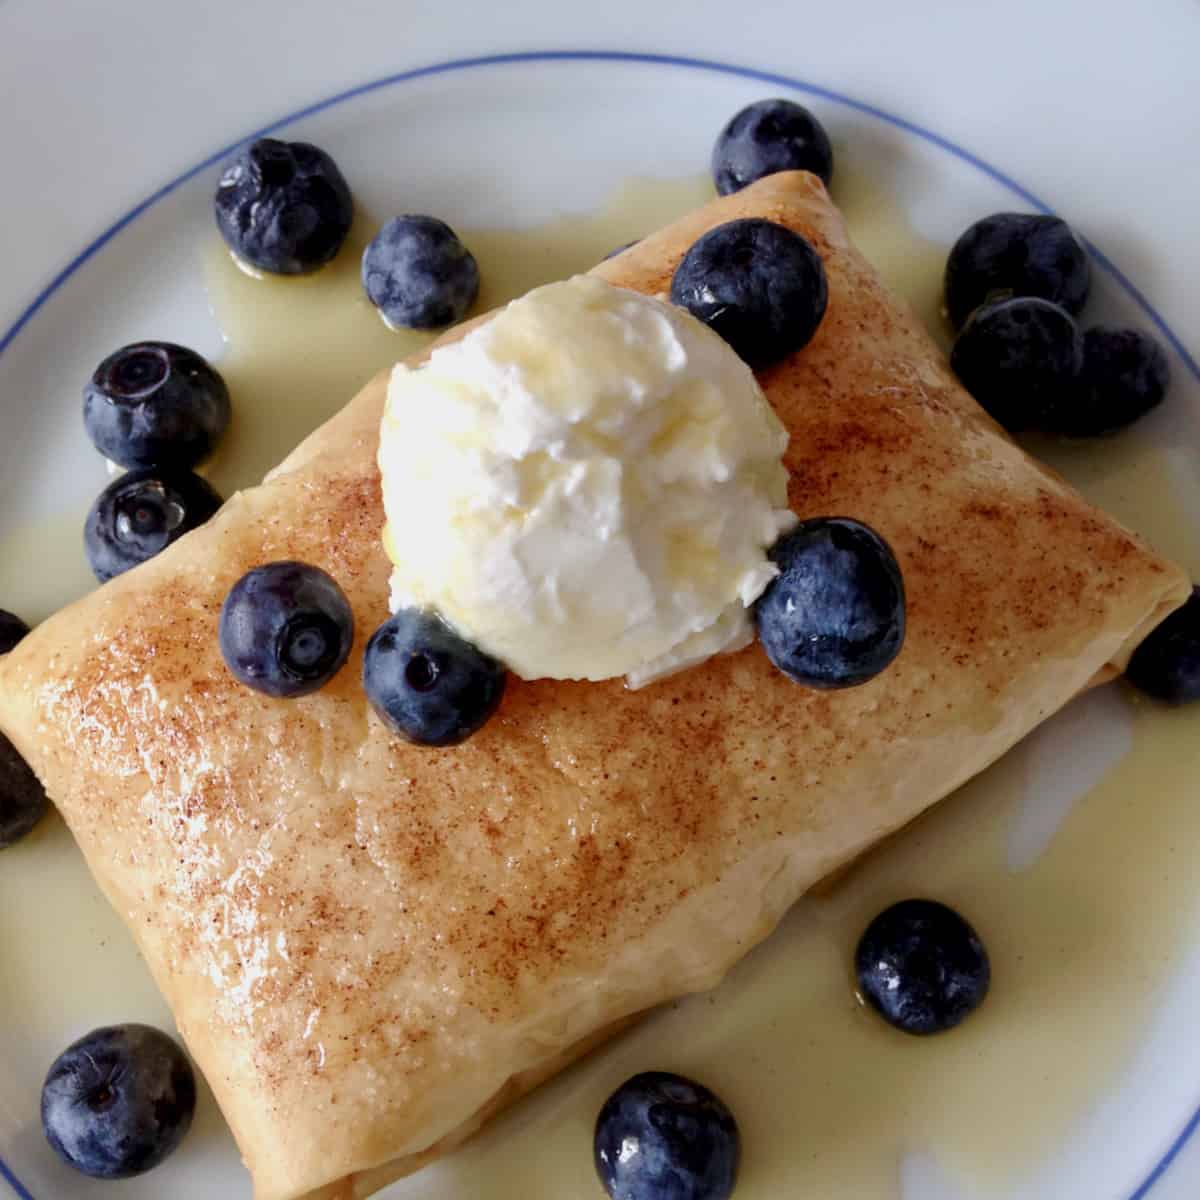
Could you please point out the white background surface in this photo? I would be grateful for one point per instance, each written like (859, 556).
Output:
(1094, 106)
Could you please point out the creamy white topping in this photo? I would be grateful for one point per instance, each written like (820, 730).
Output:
(585, 486)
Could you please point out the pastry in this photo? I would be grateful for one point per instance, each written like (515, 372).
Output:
(370, 947)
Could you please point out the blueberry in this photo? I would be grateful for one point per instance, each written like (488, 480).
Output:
(418, 274)
(283, 207)
(1016, 254)
(663, 1137)
(834, 615)
(12, 630)
(770, 136)
(22, 798)
(428, 684)
(758, 284)
(286, 629)
(922, 967)
(140, 514)
(155, 404)
(1167, 664)
(119, 1101)
(1125, 374)
(1021, 360)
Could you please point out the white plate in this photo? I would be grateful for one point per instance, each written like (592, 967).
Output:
(514, 139)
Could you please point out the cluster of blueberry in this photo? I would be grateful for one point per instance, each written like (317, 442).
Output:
(285, 208)
(158, 410)
(120, 1100)
(286, 629)
(1014, 285)
(832, 618)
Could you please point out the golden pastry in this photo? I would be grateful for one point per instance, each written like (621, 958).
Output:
(369, 946)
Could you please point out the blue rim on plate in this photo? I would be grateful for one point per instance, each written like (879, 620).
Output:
(714, 66)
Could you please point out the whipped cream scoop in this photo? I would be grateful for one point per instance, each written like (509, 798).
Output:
(585, 486)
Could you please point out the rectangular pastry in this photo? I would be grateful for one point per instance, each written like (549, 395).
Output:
(369, 946)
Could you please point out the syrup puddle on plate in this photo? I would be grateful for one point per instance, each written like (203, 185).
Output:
(828, 1099)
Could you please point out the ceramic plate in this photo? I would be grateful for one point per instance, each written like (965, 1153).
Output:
(116, 125)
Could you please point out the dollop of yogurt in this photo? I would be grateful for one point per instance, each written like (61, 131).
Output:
(585, 486)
